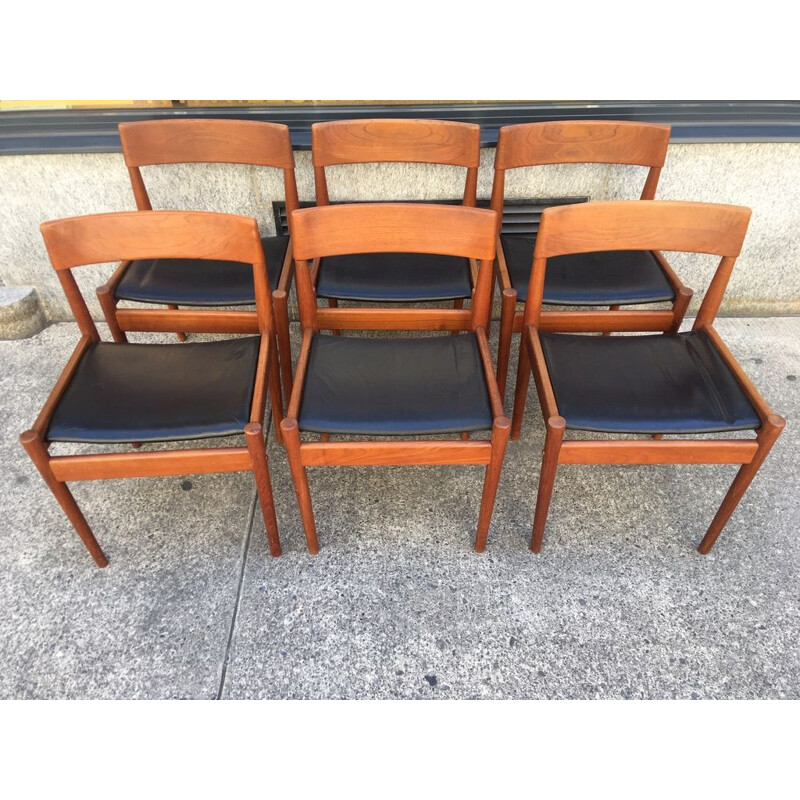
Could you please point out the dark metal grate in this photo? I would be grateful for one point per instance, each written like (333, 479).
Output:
(520, 217)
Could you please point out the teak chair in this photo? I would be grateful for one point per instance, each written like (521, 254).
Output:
(674, 383)
(588, 279)
(395, 386)
(391, 276)
(119, 392)
(182, 282)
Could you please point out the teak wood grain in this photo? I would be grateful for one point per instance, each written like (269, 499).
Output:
(696, 227)
(155, 234)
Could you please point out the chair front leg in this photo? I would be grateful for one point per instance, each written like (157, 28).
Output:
(37, 451)
(254, 436)
(552, 446)
(291, 437)
(500, 431)
(767, 437)
(507, 312)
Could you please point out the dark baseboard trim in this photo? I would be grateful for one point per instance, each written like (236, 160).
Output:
(95, 130)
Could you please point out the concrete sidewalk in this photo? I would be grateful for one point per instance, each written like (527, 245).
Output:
(618, 604)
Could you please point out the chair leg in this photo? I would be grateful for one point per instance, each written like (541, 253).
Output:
(547, 477)
(276, 399)
(254, 436)
(458, 304)
(109, 308)
(334, 303)
(610, 308)
(291, 436)
(679, 308)
(500, 432)
(181, 336)
(521, 390)
(766, 438)
(37, 451)
(281, 305)
(507, 312)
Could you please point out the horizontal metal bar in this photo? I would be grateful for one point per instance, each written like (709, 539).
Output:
(95, 130)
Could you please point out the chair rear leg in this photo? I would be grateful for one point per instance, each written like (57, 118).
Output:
(291, 437)
(334, 303)
(521, 390)
(458, 304)
(766, 438)
(181, 336)
(254, 436)
(281, 305)
(276, 399)
(500, 432)
(507, 312)
(547, 477)
(37, 451)
(108, 305)
(610, 308)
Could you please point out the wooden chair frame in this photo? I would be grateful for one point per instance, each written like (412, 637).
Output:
(394, 227)
(597, 142)
(132, 235)
(415, 141)
(193, 141)
(631, 225)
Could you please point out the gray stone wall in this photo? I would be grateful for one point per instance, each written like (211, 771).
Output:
(762, 176)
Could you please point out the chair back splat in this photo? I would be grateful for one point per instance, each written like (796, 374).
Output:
(198, 141)
(396, 140)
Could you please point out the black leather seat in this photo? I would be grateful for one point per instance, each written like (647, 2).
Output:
(393, 386)
(192, 282)
(158, 392)
(394, 277)
(667, 383)
(620, 277)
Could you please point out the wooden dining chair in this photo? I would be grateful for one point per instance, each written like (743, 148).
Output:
(113, 393)
(602, 278)
(677, 384)
(395, 277)
(397, 387)
(183, 282)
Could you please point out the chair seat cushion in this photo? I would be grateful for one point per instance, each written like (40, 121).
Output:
(197, 282)
(394, 277)
(614, 277)
(394, 386)
(667, 383)
(158, 392)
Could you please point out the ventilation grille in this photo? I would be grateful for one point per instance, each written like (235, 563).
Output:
(520, 217)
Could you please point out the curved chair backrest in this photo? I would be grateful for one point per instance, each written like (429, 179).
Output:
(133, 235)
(196, 141)
(632, 225)
(580, 142)
(396, 228)
(422, 141)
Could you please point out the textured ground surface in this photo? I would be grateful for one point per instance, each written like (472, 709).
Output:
(618, 604)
